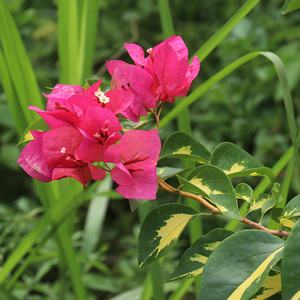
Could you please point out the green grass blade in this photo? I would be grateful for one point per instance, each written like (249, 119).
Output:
(11, 96)
(67, 202)
(68, 40)
(88, 27)
(95, 217)
(288, 102)
(166, 18)
(196, 94)
(18, 66)
(215, 40)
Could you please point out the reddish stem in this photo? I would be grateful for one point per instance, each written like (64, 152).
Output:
(214, 210)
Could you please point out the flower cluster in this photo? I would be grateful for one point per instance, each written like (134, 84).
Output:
(84, 139)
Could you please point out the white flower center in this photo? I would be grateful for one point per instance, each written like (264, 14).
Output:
(63, 150)
(101, 96)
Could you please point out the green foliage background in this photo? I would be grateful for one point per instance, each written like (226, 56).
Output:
(244, 108)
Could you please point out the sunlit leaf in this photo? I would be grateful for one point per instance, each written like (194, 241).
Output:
(192, 262)
(212, 183)
(239, 266)
(257, 203)
(291, 211)
(161, 230)
(271, 286)
(38, 124)
(236, 162)
(290, 266)
(166, 172)
(269, 204)
(289, 6)
(244, 191)
(181, 145)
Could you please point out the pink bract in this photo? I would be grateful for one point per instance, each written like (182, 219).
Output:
(136, 160)
(168, 64)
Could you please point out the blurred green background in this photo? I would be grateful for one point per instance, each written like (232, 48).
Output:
(245, 108)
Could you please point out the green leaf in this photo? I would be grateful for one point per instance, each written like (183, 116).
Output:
(166, 172)
(240, 265)
(290, 267)
(181, 145)
(38, 124)
(135, 203)
(192, 262)
(236, 162)
(271, 201)
(244, 191)
(161, 230)
(291, 210)
(289, 6)
(271, 286)
(269, 204)
(213, 184)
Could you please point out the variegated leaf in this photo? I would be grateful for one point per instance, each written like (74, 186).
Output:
(181, 145)
(244, 192)
(161, 230)
(212, 183)
(291, 211)
(257, 203)
(269, 204)
(192, 262)
(239, 266)
(236, 162)
(290, 266)
(270, 287)
(166, 172)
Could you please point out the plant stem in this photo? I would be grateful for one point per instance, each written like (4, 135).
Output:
(214, 210)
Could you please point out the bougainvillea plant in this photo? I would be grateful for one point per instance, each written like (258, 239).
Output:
(85, 139)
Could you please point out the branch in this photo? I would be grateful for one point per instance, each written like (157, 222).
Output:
(214, 210)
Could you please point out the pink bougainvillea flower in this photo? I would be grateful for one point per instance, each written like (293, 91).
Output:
(168, 65)
(141, 83)
(100, 129)
(60, 93)
(33, 161)
(69, 109)
(53, 155)
(135, 161)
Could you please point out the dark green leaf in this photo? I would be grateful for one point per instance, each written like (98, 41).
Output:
(181, 145)
(290, 267)
(244, 191)
(239, 266)
(291, 210)
(212, 183)
(236, 162)
(192, 262)
(166, 172)
(161, 230)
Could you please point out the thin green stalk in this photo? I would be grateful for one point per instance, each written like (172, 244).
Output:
(166, 18)
(182, 289)
(215, 40)
(88, 30)
(68, 40)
